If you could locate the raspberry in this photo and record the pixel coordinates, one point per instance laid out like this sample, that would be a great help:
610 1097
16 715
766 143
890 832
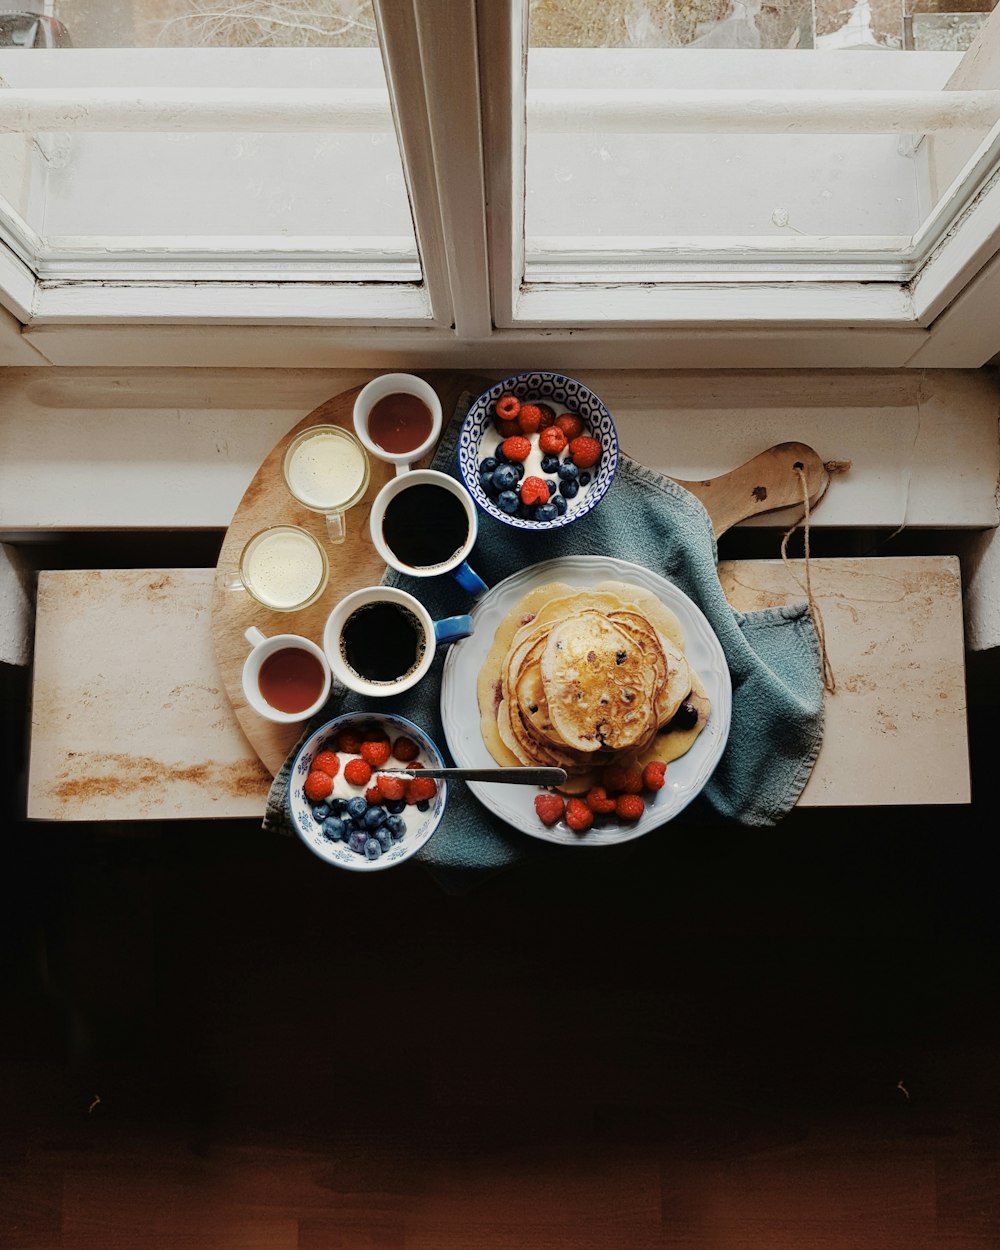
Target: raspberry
579 817
550 808
391 787
318 785
552 440
420 789
530 419
654 775
507 428
534 490
373 795
405 749
548 416
349 741
507 407
629 806
585 451
516 448
357 772
376 752
598 802
327 762
621 780
570 424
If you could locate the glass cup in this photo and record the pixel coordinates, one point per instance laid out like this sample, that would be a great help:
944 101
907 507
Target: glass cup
398 419
381 640
326 469
283 568
425 523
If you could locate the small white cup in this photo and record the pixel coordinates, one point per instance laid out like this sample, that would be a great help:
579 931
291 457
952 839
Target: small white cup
381 388
455 562
262 648
428 634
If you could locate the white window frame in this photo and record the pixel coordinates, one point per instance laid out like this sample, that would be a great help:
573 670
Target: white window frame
455 72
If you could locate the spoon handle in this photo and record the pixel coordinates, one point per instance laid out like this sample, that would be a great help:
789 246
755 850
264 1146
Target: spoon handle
512 776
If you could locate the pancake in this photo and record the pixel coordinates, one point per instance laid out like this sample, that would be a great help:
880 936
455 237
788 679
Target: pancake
578 679
599 684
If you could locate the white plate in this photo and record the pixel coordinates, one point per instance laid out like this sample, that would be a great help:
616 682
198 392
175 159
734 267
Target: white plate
516 804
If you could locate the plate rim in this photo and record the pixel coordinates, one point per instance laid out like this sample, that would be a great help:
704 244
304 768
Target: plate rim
606 568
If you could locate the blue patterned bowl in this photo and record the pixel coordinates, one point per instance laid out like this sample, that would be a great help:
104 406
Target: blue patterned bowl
419 825
479 435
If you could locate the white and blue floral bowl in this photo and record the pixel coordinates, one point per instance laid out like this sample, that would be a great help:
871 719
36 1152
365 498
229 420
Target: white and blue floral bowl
420 826
551 388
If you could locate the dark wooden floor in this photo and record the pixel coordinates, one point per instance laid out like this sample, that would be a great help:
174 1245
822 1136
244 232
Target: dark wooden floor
708 1040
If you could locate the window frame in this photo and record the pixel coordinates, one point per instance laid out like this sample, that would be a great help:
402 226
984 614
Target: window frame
459 68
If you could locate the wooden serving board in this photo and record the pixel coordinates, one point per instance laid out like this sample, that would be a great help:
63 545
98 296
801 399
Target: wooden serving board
763 484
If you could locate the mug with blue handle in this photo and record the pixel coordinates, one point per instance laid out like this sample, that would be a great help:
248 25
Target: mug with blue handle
381 641
424 523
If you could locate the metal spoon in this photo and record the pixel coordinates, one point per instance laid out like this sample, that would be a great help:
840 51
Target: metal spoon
512 776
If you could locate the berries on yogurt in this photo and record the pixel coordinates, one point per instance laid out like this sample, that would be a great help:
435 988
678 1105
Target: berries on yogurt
552 452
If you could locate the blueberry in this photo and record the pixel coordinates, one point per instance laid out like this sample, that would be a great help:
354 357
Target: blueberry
518 468
498 454
372 849
504 477
584 479
568 471
569 489
423 805
396 826
357 807
546 512
358 840
488 465
374 817
334 828
395 806
551 485
508 501
486 481
560 505
550 463
384 838
320 811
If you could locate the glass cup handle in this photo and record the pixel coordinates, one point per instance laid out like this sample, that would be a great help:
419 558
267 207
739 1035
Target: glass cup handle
452 628
469 580
229 579
336 531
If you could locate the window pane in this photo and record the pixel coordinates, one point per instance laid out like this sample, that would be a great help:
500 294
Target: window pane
647 202
301 203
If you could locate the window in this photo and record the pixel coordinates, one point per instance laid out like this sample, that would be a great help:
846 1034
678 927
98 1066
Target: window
456 186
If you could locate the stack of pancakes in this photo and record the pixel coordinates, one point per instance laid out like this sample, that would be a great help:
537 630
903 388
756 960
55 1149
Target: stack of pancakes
586 681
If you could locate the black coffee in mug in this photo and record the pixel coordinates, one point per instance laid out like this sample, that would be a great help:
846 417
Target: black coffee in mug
425 525
382 642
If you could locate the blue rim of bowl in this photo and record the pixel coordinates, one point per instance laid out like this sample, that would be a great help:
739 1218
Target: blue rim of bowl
468 462
405 725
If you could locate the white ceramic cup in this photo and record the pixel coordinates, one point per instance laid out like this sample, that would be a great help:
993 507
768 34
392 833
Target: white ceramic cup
381 388
455 563
429 634
261 648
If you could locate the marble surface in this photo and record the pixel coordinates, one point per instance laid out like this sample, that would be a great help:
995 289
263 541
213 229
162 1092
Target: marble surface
130 719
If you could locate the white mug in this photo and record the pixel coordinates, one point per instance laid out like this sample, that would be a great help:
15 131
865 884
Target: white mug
271 670
391 407
418 531
381 641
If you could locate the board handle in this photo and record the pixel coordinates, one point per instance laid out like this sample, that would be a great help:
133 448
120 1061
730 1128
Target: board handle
766 483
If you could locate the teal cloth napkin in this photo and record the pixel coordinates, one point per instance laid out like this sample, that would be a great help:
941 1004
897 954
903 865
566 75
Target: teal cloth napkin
773 656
